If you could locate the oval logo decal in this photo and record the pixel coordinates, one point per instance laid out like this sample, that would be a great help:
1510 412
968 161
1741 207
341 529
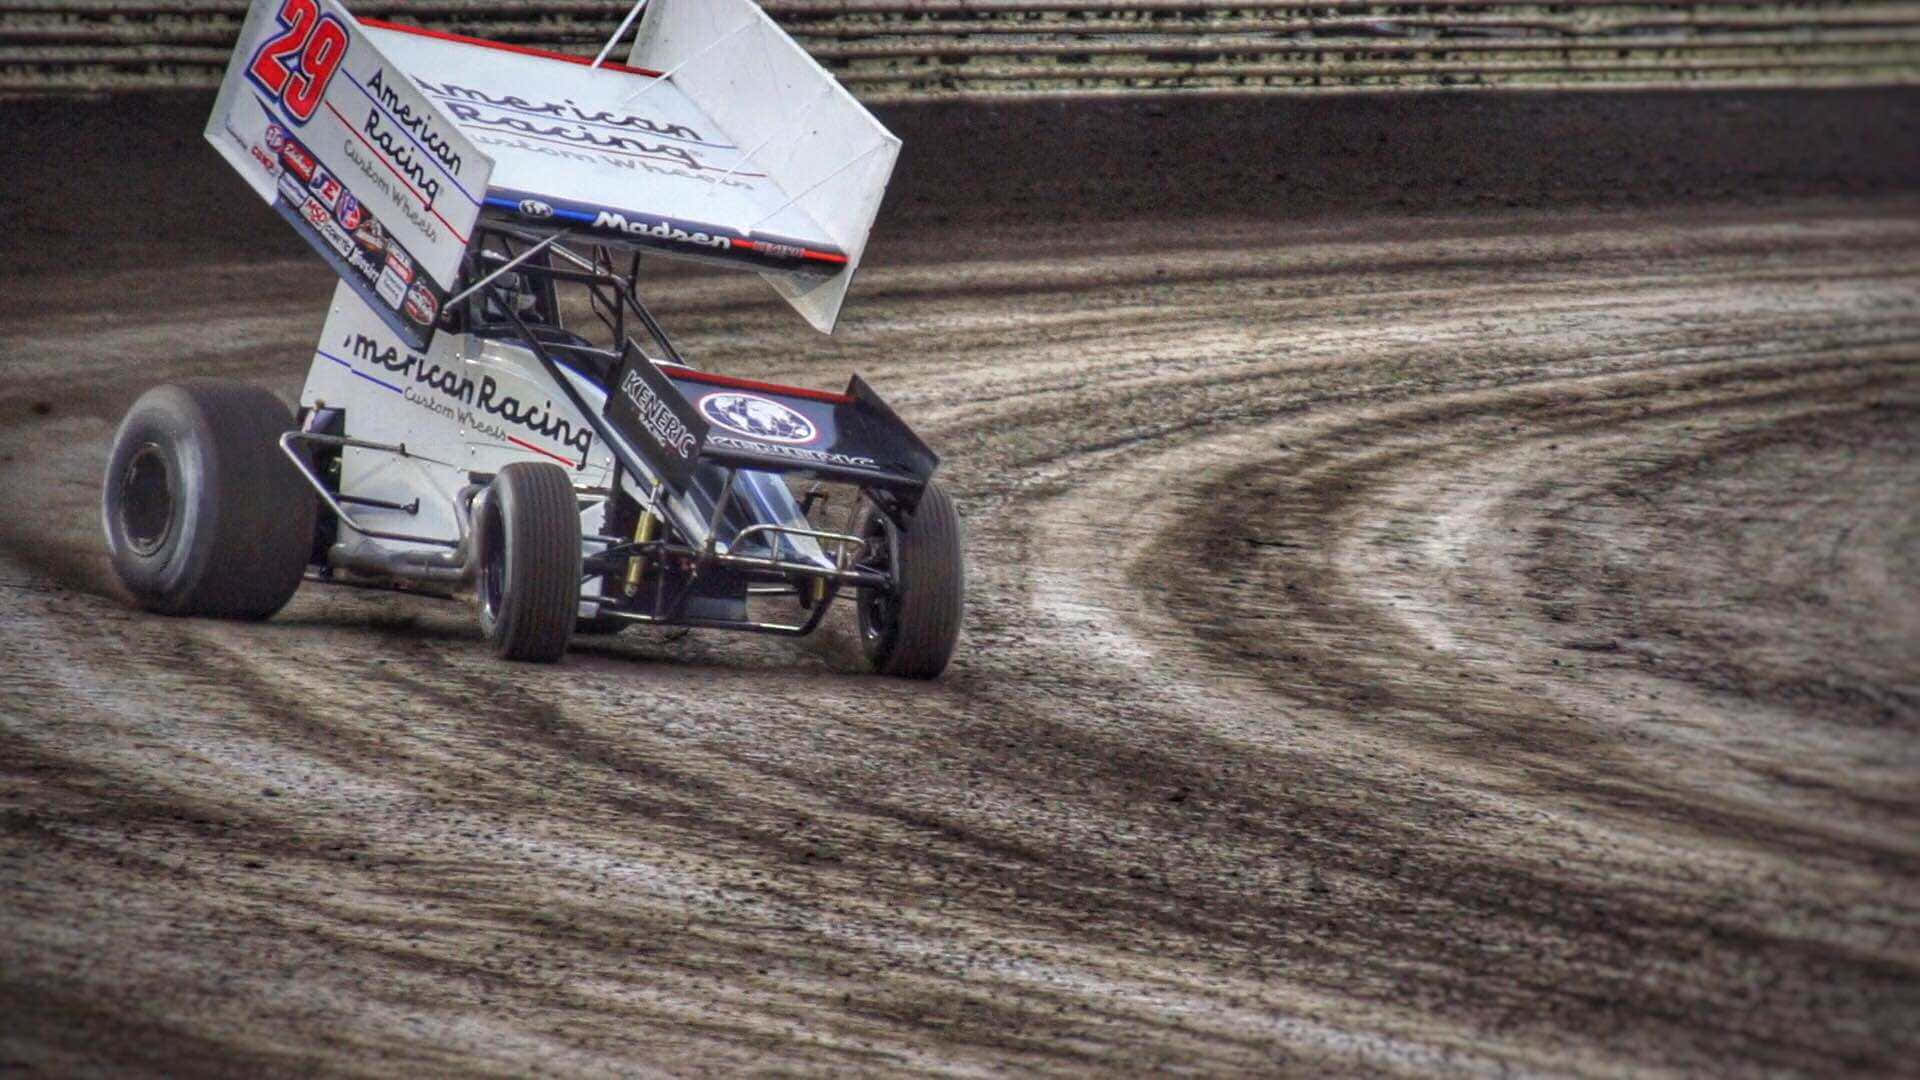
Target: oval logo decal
534 208
758 417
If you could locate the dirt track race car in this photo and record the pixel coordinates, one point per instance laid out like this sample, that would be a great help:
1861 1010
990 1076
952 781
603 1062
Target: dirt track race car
490 405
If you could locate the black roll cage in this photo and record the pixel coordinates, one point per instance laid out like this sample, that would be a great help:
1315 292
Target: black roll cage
612 298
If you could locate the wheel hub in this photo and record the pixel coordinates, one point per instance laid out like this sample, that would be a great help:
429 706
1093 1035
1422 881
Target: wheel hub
146 500
493 564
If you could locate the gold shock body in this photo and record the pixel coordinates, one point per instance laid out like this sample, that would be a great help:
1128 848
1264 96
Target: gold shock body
643 532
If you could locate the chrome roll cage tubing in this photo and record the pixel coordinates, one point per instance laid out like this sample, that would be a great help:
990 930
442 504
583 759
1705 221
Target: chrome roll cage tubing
670 610
447 567
463 500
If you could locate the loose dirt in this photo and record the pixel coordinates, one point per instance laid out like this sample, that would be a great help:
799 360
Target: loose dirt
1428 644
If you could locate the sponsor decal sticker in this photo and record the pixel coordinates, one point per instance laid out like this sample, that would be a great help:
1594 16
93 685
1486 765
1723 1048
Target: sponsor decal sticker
326 186
349 212
321 219
796 453
421 306
298 161
267 161
391 287
759 417
276 137
535 209
659 230
292 190
366 267
371 236
658 417
779 251
647 410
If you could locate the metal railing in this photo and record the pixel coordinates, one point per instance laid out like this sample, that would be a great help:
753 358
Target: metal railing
891 51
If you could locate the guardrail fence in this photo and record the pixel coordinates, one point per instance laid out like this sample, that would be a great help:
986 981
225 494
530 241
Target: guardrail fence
890 51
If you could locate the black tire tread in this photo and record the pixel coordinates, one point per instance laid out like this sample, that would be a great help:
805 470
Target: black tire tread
932 597
540 598
261 512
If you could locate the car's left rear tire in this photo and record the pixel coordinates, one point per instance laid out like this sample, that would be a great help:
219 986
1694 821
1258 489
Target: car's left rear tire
527 534
203 512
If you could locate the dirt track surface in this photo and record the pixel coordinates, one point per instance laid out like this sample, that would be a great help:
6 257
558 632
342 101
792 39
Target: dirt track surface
1441 645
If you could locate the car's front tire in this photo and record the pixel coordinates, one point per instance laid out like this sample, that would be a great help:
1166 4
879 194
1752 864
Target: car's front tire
911 630
527 533
204 515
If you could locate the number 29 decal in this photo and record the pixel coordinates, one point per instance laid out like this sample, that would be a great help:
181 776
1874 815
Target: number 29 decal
296 64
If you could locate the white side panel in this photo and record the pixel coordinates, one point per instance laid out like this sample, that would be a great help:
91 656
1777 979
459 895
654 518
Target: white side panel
352 370
463 406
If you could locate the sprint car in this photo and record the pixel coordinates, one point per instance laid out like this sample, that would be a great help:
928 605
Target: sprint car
491 408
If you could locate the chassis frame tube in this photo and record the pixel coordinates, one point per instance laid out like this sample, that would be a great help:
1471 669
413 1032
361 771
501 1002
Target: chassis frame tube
288 439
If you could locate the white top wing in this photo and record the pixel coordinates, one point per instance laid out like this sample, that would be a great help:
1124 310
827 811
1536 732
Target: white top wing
775 168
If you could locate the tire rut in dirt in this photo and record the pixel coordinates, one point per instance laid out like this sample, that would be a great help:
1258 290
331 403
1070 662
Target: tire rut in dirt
1143 819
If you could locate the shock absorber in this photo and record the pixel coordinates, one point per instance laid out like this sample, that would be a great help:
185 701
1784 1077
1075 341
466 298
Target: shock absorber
643 532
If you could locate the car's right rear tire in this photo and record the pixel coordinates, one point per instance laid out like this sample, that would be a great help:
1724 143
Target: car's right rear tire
527 534
204 515
911 630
